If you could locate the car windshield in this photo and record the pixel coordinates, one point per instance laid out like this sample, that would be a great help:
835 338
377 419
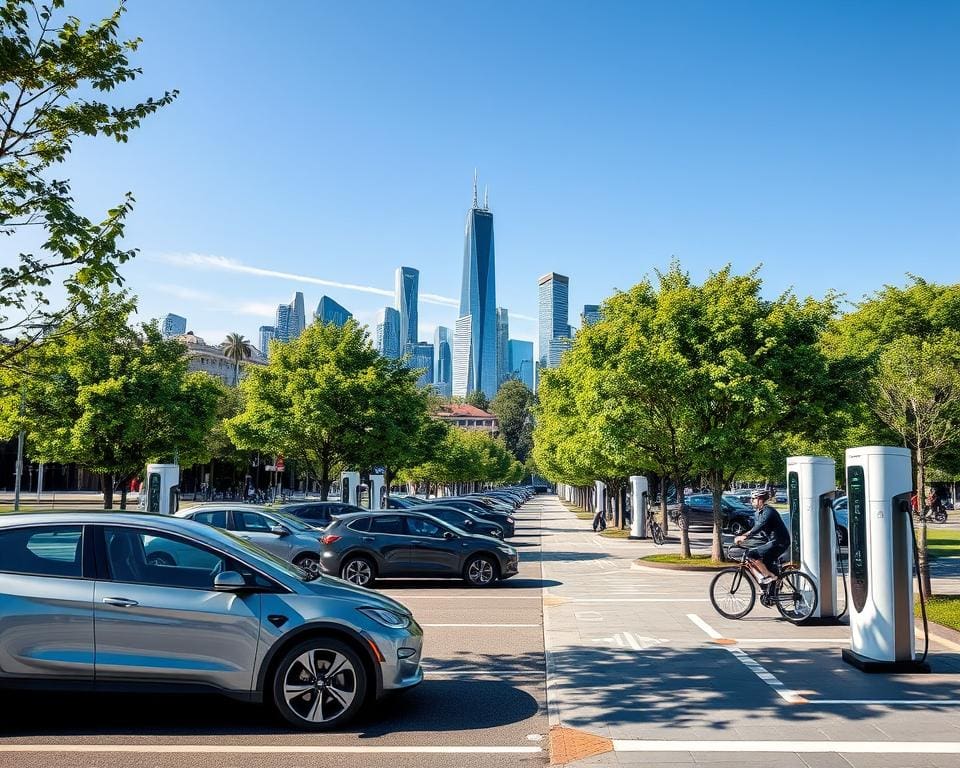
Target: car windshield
293 522
255 553
737 504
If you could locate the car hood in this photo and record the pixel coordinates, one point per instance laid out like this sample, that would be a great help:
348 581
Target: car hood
332 588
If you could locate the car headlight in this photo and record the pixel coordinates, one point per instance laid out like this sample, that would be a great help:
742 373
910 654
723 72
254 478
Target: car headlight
387 618
511 520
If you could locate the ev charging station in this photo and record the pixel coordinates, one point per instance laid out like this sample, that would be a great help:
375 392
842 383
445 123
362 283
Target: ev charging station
349 487
881 543
639 506
377 495
160 493
601 496
811 481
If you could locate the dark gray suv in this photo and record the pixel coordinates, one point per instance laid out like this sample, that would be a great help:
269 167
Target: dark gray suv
369 545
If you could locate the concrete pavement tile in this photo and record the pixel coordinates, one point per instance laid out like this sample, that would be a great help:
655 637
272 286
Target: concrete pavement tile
902 761
824 760
731 759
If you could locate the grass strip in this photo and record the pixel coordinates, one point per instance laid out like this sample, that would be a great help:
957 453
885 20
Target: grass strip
943 610
694 561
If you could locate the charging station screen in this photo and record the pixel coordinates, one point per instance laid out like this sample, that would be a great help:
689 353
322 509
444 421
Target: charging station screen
793 495
857 513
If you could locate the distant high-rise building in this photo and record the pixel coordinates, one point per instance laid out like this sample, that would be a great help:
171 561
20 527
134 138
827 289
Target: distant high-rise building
475 358
291 319
521 361
421 356
591 314
554 313
174 325
443 361
387 337
503 350
267 333
328 311
555 350
407 289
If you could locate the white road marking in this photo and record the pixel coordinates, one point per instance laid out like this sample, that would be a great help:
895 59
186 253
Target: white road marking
267 749
898 702
801 747
638 600
774 640
482 672
788 695
484 626
465 596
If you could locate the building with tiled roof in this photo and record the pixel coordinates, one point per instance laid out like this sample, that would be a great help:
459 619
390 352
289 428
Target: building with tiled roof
467 416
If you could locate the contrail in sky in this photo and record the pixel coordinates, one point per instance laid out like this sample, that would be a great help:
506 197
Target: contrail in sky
222 263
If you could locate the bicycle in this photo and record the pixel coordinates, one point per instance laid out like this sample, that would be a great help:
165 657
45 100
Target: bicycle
656 532
733 592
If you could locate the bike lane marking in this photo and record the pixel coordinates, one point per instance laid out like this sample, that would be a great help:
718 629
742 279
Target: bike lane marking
788 695
799 747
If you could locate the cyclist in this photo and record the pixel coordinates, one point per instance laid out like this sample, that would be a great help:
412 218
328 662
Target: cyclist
765 556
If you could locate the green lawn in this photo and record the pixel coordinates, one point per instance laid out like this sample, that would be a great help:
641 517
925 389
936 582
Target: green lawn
943 610
943 543
695 561
616 533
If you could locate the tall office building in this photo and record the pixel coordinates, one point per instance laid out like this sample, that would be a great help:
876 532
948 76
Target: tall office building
421 356
328 311
387 336
555 350
475 354
267 333
174 325
443 361
554 299
407 288
521 361
291 319
503 350
591 315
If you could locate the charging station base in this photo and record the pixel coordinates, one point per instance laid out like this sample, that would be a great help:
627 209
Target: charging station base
865 664
825 621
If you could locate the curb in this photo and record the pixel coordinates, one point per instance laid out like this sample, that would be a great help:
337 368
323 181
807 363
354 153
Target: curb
641 564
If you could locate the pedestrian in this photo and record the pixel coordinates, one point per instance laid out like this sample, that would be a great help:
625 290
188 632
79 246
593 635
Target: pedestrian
914 503
599 520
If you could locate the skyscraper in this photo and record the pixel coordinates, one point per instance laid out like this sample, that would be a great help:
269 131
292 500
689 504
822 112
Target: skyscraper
387 337
554 313
475 356
421 356
267 332
328 311
443 361
174 325
503 351
407 288
521 361
591 314
291 319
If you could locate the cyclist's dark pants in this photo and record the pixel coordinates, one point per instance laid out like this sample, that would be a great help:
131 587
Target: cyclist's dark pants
769 553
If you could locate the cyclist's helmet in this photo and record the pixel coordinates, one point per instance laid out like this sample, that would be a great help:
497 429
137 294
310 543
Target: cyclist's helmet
760 493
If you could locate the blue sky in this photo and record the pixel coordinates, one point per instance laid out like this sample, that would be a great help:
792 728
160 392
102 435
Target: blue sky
337 141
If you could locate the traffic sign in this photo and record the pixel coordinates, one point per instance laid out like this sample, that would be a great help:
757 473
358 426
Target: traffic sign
280 465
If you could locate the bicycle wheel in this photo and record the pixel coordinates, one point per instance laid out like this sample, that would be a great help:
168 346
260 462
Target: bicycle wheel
657 534
732 593
796 596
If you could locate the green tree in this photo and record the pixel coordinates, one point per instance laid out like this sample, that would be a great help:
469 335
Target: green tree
513 407
111 398
478 400
52 67
237 349
328 399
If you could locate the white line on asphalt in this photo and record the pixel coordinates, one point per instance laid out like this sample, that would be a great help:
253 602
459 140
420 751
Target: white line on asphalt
802 747
789 696
484 672
637 599
632 641
265 748
898 702
470 597
481 626
774 640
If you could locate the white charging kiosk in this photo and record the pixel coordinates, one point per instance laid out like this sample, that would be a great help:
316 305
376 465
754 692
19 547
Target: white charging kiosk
349 487
377 496
601 496
160 493
879 486
639 506
811 484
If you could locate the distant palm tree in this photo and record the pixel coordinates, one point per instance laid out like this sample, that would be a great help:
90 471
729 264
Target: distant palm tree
236 348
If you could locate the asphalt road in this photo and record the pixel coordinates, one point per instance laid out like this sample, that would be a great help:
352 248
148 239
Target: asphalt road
484 690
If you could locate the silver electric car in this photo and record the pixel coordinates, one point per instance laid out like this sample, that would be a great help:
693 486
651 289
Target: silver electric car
83 604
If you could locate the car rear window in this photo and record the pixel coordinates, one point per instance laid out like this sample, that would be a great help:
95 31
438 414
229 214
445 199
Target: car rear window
390 524
361 525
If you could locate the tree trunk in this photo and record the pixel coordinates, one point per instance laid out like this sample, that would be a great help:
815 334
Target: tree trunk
106 484
924 561
324 479
123 494
716 549
683 522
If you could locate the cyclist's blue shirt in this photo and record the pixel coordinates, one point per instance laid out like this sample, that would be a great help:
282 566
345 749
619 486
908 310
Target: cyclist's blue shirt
769 522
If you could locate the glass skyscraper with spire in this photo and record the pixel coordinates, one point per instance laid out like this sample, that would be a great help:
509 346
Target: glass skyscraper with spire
475 342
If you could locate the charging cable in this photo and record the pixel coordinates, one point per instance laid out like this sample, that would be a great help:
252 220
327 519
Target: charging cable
923 600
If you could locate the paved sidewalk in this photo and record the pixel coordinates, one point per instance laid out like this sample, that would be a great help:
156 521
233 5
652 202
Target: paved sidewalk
632 658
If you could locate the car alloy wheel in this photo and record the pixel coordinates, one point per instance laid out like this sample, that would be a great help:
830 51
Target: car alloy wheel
481 571
357 570
319 684
309 563
737 528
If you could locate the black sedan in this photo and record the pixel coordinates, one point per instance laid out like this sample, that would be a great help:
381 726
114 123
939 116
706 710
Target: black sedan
737 517
366 546
319 513
463 520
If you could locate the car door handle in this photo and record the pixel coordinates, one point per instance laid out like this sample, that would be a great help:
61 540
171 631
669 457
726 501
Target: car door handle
121 602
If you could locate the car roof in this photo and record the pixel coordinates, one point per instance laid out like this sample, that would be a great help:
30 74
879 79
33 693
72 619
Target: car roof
164 522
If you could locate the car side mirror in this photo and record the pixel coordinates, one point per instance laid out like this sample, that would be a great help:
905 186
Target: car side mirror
229 581
280 530
449 535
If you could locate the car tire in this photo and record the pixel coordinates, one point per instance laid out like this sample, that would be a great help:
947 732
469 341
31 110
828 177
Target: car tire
160 558
738 527
359 571
309 698
310 562
481 571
